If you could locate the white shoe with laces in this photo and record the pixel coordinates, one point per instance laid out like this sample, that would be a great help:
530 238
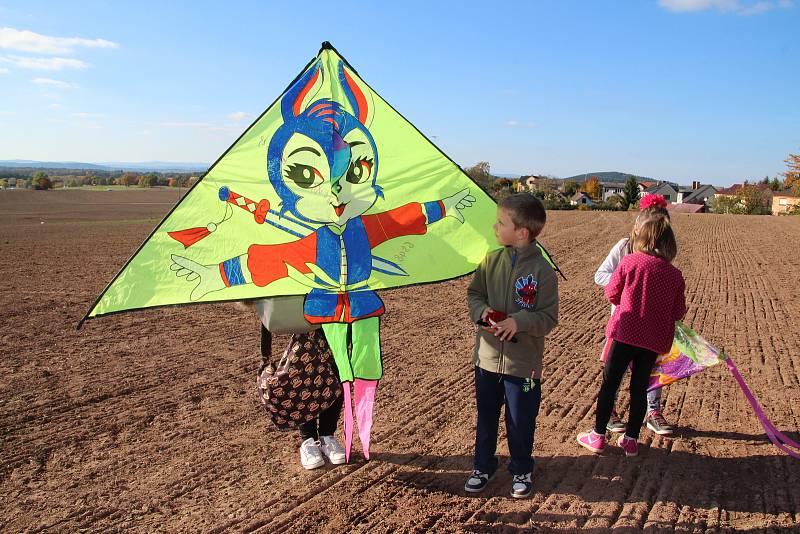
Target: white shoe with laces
521 486
332 450
310 455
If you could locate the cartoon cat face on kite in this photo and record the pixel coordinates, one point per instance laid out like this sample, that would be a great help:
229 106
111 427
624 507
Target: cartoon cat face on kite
322 161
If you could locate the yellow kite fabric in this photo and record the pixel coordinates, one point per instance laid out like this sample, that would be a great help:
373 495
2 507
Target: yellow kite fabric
330 193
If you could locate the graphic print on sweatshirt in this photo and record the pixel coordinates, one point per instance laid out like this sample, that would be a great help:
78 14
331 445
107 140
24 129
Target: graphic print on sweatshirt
525 291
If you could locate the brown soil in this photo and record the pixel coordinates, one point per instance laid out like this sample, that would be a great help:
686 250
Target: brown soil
147 421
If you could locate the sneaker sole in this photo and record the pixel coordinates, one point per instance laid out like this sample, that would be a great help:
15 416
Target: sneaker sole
589 447
314 466
521 495
616 430
659 432
629 454
338 461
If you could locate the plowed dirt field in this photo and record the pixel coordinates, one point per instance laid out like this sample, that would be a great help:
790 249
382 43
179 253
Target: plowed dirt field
147 421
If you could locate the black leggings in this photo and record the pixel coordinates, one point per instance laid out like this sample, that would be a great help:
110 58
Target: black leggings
641 361
325 424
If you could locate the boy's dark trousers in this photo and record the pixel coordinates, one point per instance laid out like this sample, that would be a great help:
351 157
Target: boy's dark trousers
521 397
641 361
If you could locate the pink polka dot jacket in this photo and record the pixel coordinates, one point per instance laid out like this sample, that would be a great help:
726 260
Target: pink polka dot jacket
648 293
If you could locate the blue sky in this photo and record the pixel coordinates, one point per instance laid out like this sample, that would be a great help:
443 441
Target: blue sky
673 89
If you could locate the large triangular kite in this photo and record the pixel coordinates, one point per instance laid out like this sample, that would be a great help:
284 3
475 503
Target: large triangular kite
328 153
331 194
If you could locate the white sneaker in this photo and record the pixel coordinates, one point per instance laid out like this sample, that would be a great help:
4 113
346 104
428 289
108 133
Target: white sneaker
310 455
332 450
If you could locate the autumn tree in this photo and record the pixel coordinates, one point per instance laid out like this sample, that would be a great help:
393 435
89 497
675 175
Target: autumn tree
592 187
41 180
127 179
792 174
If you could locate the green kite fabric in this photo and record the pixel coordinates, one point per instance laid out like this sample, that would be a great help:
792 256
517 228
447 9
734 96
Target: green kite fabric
331 194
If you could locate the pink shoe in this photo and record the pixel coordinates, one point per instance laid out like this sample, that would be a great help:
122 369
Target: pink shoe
629 445
592 440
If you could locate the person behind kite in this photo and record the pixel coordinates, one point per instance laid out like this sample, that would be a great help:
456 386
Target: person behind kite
514 293
648 292
650 205
323 163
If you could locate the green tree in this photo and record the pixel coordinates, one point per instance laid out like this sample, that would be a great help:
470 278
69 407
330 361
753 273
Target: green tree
630 193
754 200
725 204
481 174
775 184
3 183
570 187
502 183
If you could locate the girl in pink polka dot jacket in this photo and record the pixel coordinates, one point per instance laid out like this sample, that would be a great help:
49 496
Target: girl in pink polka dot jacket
648 292
651 206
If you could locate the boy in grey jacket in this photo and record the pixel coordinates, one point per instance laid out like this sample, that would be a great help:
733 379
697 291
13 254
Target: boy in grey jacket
514 295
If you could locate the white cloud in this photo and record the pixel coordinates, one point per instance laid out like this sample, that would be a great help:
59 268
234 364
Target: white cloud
44 63
58 84
52 96
758 7
85 115
239 116
4 71
7 113
28 41
514 123
56 106
725 6
698 5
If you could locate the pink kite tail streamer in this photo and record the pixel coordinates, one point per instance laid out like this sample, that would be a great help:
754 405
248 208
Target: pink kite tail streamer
777 438
365 401
348 421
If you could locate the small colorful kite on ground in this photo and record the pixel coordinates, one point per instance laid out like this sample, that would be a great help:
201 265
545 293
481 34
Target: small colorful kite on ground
331 194
691 354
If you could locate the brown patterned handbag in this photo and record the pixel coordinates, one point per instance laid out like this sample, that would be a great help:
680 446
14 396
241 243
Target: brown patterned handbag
302 384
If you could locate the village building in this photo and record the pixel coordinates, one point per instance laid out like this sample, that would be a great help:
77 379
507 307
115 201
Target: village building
783 201
581 198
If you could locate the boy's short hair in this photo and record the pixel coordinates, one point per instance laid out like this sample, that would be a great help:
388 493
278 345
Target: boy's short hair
526 211
656 238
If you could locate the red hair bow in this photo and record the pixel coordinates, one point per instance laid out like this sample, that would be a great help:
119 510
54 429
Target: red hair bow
652 200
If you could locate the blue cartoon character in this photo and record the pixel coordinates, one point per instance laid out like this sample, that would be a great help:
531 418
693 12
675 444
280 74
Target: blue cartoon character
323 163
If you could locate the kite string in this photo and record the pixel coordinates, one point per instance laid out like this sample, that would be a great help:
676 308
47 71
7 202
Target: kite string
780 440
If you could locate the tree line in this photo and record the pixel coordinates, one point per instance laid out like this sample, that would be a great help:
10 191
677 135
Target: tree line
25 178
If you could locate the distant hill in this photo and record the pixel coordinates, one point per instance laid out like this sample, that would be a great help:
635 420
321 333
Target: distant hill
144 166
608 176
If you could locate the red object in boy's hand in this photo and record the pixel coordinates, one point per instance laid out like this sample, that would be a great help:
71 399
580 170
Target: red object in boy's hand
495 316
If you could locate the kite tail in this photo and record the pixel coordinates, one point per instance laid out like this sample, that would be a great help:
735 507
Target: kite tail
348 421
780 440
365 401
